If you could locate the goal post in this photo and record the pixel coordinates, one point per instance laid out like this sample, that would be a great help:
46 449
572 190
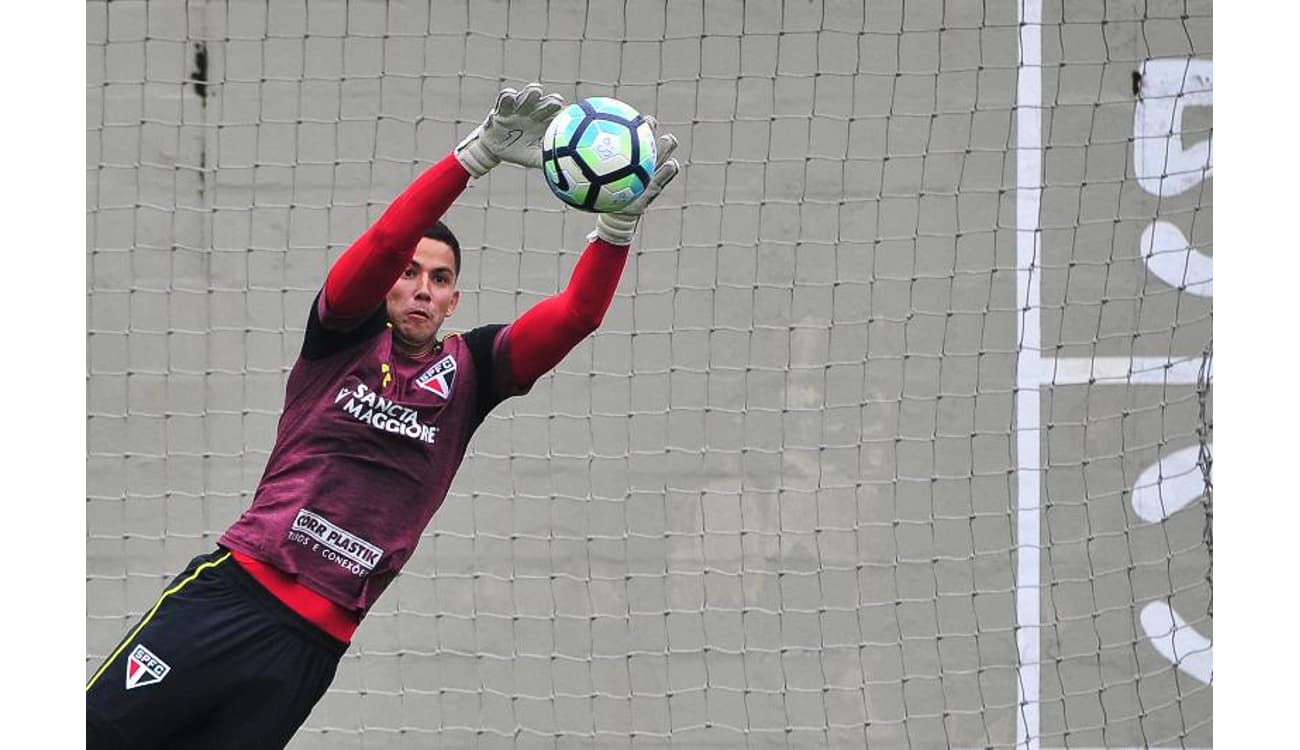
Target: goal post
897 433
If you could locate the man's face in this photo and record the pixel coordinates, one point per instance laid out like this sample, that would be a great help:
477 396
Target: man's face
423 297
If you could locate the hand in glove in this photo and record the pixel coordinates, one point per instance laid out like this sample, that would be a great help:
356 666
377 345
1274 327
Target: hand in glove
512 131
618 227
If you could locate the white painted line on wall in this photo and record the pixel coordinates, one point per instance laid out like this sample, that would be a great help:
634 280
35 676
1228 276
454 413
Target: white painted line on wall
1029 180
1127 370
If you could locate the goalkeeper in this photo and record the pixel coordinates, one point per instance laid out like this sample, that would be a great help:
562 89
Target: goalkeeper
378 413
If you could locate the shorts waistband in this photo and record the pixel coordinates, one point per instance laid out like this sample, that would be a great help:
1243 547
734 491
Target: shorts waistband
234 573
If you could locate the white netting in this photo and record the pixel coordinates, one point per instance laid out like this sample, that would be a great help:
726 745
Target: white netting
773 501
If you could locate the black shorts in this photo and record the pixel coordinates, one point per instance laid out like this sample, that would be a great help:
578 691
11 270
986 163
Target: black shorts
218 662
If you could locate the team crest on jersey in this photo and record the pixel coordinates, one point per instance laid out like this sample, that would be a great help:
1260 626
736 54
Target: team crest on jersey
143 668
440 377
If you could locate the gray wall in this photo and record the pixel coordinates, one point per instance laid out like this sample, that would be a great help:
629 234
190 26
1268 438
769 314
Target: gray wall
771 502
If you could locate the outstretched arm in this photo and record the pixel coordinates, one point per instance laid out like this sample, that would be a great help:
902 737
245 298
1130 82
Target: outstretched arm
362 276
512 133
549 330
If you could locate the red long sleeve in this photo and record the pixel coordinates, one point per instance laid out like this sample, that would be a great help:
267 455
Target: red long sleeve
549 330
362 276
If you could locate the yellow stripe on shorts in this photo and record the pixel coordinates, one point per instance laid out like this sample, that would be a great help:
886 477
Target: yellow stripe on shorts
127 641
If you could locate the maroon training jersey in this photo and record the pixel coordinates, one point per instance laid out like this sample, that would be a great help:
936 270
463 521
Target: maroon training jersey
366 448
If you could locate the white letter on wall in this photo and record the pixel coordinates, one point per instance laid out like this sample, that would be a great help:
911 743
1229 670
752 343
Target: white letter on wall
1167 87
1162 489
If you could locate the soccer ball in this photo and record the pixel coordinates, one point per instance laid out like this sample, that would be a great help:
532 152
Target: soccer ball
598 154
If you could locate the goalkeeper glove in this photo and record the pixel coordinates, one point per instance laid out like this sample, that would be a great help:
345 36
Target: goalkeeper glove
512 131
618 227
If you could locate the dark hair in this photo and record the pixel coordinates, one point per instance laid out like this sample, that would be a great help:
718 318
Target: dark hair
441 233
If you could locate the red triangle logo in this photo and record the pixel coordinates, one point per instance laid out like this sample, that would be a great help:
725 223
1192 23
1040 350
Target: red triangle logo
143 667
440 378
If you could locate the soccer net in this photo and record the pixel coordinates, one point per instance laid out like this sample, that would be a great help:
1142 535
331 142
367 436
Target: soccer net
897 432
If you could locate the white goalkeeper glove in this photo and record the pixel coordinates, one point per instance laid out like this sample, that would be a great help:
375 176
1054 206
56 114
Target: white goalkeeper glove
512 131
617 228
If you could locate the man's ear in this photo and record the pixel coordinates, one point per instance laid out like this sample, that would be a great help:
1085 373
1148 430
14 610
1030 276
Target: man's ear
455 300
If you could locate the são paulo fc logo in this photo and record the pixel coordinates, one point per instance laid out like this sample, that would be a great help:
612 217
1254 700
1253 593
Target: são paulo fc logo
143 668
439 378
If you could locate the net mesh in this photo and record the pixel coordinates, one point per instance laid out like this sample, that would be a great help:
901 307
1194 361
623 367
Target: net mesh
771 502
